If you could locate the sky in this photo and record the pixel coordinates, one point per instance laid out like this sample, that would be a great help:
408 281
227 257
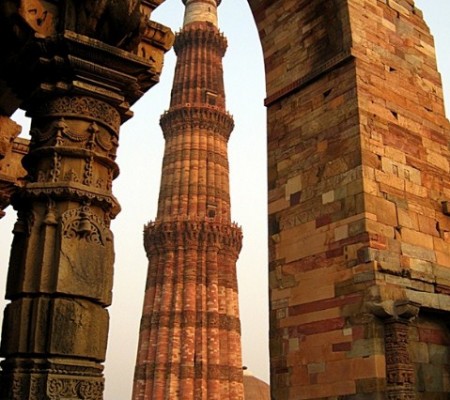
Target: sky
140 157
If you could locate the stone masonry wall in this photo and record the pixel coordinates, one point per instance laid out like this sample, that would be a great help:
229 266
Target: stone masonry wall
357 164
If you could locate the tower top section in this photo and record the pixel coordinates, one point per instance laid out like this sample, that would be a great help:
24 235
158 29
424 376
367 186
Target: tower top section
201 11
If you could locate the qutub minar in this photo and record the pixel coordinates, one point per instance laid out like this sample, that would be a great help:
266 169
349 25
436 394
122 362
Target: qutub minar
190 341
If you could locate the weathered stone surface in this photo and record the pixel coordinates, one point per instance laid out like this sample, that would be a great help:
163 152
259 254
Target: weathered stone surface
9 130
12 173
61 266
357 161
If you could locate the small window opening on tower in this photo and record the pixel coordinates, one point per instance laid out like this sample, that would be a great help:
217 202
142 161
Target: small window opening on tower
211 210
210 97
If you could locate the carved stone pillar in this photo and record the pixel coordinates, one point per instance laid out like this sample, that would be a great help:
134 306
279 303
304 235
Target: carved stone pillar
400 374
61 267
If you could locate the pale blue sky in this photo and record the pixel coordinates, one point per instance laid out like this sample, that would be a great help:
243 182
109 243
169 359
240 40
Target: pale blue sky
140 156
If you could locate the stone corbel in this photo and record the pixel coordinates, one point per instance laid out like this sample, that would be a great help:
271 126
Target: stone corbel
405 310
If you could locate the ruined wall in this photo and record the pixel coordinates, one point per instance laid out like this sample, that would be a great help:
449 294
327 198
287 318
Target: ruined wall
358 164
12 150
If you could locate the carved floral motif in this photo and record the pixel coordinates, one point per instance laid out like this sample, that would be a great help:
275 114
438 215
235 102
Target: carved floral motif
81 223
40 387
77 106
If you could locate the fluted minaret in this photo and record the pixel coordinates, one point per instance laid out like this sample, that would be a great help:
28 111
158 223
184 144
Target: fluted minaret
190 344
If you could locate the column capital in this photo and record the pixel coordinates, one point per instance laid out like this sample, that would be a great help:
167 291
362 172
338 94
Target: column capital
396 310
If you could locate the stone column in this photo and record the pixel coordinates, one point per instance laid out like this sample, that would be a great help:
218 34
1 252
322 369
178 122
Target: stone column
400 374
61 267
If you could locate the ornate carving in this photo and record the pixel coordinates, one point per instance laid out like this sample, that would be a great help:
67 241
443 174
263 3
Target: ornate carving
37 387
50 217
177 119
55 172
104 200
58 388
94 131
44 387
400 375
19 388
88 171
77 106
100 183
59 130
200 37
90 390
192 233
71 176
81 223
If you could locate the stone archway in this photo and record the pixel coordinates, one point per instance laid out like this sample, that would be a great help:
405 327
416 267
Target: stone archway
356 179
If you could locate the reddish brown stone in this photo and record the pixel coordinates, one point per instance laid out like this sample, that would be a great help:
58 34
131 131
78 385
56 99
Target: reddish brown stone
190 329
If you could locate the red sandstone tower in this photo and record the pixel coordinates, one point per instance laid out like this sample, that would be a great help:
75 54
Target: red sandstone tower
190 345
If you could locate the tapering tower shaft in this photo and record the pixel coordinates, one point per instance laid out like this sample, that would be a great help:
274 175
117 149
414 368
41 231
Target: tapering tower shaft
189 345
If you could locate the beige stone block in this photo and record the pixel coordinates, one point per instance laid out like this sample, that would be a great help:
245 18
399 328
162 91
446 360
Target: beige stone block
363 348
321 391
417 238
416 251
382 229
385 210
441 244
356 368
438 161
309 290
395 154
419 353
444 302
341 232
413 175
408 219
416 190
443 258
430 300
427 225
388 25
293 344
422 266
441 272
390 179
294 248
277 205
315 368
371 187
293 185
328 197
